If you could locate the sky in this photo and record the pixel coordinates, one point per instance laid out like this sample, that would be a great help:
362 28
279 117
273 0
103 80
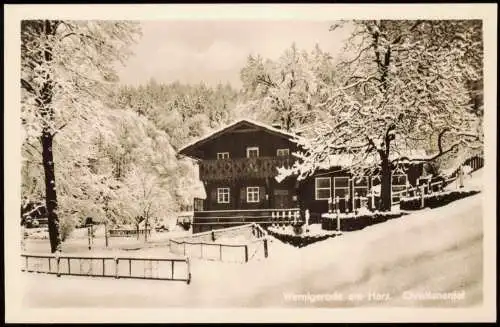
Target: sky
215 51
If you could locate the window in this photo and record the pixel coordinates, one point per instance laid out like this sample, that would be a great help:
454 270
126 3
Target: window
282 152
323 188
252 152
253 194
398 184
360 185
198 204
222 155
223 195
341 187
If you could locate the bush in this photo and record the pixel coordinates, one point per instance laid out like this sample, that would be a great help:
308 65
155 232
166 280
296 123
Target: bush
297 229
352 222
66 227
298 240
185 224
434 200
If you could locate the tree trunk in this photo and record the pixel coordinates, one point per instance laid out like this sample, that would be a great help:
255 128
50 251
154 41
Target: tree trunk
50 192
146 228
385 187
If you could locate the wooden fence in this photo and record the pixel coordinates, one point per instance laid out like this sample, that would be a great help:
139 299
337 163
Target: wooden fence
222 219
116 267
205 246
371 201
428 187
123 232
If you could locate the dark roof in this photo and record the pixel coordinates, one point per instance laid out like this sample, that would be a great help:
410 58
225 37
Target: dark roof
189 150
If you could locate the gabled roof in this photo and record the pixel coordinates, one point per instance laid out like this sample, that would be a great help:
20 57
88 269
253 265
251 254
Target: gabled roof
188 149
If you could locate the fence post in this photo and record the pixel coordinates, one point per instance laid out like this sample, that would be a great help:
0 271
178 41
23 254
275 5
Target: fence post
89 233
188 271
23 239
220 252
116 268
273 222
58 263
106 233
246 253
338 221
356 198
461 177
265 248
422 193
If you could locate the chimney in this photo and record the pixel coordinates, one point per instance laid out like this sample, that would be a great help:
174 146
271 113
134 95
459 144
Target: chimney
276 125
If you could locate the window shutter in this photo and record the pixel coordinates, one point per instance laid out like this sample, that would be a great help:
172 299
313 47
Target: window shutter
262 194
213 195
243 195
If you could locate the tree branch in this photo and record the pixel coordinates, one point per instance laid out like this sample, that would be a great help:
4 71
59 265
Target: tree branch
28 87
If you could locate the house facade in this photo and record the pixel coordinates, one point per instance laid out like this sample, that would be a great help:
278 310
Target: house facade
238 165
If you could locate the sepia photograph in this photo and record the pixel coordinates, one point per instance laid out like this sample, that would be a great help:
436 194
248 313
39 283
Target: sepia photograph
294 160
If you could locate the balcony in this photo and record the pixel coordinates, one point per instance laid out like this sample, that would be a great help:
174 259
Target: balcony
231 169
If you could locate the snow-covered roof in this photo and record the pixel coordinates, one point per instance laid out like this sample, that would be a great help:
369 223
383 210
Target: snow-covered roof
186 149
337 160
345 160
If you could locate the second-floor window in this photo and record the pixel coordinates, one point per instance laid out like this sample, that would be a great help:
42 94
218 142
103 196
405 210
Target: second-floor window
223 195
253 194
252 152
222 155
283 152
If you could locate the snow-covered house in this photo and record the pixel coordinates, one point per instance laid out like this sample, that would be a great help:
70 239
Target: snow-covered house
238 167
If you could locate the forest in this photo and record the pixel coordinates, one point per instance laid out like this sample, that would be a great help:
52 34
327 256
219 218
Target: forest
94 147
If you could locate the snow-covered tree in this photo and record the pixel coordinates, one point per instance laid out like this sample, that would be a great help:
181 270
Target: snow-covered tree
65 68
400 86
148 199
285 90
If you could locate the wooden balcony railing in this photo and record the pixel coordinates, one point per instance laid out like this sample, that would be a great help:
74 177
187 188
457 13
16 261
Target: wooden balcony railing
259 167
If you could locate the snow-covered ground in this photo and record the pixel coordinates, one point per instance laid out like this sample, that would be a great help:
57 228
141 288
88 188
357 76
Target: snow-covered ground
436 250
474 181
396 263
78 242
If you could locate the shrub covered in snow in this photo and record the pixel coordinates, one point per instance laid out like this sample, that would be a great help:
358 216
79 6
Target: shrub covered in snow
434 200
351 221
66 227
291 235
